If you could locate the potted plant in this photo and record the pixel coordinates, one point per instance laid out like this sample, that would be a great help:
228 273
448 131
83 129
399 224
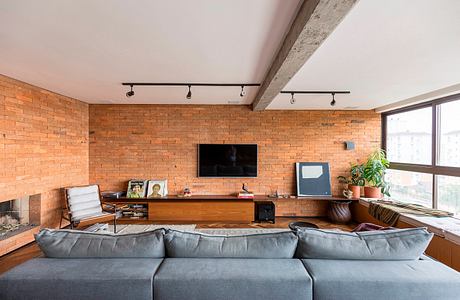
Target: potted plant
355 181
374 174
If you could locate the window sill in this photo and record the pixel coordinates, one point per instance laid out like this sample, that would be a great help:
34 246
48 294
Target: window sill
448 228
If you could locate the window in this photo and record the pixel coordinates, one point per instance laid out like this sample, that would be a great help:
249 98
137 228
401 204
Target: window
449 193
409 137
423 146
449 132
411 186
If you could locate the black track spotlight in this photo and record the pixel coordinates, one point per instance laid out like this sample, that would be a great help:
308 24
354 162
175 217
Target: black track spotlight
130 93
189 94
243 93
333 99
292 98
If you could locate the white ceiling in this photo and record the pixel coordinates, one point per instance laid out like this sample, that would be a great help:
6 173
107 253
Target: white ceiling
383 52
85 49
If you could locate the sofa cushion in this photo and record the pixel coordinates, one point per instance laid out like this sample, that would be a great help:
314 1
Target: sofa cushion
76 279
382 280
81 244
399 244
271 245
232 278
84 201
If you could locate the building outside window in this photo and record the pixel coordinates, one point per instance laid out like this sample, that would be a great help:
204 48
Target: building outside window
423 146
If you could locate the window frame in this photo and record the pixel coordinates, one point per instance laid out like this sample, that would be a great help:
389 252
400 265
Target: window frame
434 169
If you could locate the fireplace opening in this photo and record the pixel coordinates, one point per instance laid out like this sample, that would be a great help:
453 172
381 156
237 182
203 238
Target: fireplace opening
19 215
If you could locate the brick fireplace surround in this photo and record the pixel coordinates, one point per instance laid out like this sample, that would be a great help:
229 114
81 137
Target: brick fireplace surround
49 141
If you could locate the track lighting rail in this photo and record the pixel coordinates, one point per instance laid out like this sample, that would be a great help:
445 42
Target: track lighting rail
187 84
315 92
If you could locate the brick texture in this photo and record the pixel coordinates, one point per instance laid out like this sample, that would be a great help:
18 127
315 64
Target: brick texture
43 145
160 142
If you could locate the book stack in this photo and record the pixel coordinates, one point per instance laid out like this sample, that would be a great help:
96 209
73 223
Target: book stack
245 195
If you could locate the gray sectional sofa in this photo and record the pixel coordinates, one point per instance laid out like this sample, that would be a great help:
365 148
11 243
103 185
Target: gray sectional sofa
168 264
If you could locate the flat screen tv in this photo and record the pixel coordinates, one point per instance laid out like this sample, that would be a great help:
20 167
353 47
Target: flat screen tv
227 160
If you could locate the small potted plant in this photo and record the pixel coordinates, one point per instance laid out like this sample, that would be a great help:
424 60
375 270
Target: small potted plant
374 174
355 181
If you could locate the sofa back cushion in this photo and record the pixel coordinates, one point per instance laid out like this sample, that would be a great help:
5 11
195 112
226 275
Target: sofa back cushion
196 245
399 244
80 244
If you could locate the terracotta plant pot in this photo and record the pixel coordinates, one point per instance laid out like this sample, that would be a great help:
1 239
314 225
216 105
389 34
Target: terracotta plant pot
356 189
372 192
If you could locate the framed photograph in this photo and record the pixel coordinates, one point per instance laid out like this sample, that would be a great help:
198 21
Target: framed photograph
157 188
136 188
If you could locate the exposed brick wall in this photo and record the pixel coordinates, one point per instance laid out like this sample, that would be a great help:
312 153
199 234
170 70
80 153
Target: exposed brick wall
43 145
160 141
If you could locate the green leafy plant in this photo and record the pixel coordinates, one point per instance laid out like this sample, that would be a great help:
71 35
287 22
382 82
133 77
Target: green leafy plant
375 169
356 176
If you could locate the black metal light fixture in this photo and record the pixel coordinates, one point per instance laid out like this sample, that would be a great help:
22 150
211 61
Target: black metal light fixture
130 93
292 98
333 102
189 84
333 99
243 93
189 94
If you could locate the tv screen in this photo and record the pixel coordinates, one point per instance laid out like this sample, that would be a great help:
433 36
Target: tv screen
227 160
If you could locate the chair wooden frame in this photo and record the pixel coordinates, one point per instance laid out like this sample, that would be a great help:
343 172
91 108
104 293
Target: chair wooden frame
66 214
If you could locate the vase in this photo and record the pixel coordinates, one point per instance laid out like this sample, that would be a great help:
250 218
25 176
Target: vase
356 189
339 212
372 192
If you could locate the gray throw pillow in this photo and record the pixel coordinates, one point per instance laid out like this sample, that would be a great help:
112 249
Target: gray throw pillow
398 244
196 245
79 244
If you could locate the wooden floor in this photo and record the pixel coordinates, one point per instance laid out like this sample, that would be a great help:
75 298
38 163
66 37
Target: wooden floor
30 251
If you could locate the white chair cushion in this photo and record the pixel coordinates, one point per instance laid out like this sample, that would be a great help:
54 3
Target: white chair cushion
84 202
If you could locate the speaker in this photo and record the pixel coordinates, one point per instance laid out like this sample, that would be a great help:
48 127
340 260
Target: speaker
264 211
349 145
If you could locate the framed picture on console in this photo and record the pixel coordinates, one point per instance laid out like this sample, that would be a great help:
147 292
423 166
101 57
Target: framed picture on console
136 188
157 188
313 179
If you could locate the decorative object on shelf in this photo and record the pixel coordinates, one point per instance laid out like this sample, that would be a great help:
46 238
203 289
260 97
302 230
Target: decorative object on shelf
355 181
136 188
339 211
245 193
348 194
157 188
313 179
374 174
187 192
